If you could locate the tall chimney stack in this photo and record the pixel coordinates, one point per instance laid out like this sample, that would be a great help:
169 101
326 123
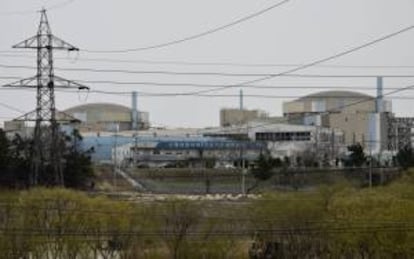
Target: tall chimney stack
379 103
241 99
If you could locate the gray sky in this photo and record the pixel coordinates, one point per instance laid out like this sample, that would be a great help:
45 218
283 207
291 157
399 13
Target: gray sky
298 32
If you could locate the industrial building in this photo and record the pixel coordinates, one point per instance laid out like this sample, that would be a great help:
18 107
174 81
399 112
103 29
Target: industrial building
231 117
163 149
189 152
288 140
108 117
363 119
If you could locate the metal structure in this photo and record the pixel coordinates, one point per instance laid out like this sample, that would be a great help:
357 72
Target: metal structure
47 148
400 133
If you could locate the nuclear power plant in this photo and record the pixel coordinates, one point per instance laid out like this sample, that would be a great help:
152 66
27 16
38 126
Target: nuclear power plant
324 123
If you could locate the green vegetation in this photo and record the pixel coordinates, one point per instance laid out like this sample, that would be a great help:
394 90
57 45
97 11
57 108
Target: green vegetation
336 221
405 157
357 156
264 169
16 161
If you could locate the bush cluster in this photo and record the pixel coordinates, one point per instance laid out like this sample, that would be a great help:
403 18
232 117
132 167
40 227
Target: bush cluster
331 222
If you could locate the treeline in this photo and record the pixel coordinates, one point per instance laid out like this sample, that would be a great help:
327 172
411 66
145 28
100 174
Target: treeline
16 162
333 222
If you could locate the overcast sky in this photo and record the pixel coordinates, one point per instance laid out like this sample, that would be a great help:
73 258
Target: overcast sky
298 32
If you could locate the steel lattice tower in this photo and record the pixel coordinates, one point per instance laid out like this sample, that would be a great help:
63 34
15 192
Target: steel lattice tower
47 146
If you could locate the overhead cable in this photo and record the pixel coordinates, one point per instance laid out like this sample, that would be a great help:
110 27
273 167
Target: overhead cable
314 63
11 107
34 11
195 36
223 74
195 85
13 54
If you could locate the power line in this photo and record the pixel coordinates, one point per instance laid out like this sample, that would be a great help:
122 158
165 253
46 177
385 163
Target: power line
254 96
260 96
26 12
190 63
33 11
195 36
220 95
229 64
345 76
224 74
229 74
11 108
10 77
358 87
310 64
183 94
209 86
338 55
195 85
60 5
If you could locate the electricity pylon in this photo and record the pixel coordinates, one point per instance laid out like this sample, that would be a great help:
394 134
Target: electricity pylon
47 150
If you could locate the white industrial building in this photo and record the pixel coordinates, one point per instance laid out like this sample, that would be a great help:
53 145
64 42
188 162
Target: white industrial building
192 151
287 140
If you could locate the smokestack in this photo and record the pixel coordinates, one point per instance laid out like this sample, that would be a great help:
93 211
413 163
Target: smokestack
134 114
379 102
241 99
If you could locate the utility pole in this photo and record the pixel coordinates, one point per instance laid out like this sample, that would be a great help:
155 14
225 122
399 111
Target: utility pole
244 144
243 170
135 124
380 110
333 151
317 146
135 153
47 146
370 166
115 155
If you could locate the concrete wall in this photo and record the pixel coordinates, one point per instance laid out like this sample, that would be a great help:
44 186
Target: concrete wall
354 126
368 129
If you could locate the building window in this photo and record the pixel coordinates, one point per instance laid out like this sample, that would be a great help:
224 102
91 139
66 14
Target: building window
283 136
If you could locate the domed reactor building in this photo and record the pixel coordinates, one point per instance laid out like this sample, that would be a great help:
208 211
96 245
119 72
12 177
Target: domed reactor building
96 117
363 118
